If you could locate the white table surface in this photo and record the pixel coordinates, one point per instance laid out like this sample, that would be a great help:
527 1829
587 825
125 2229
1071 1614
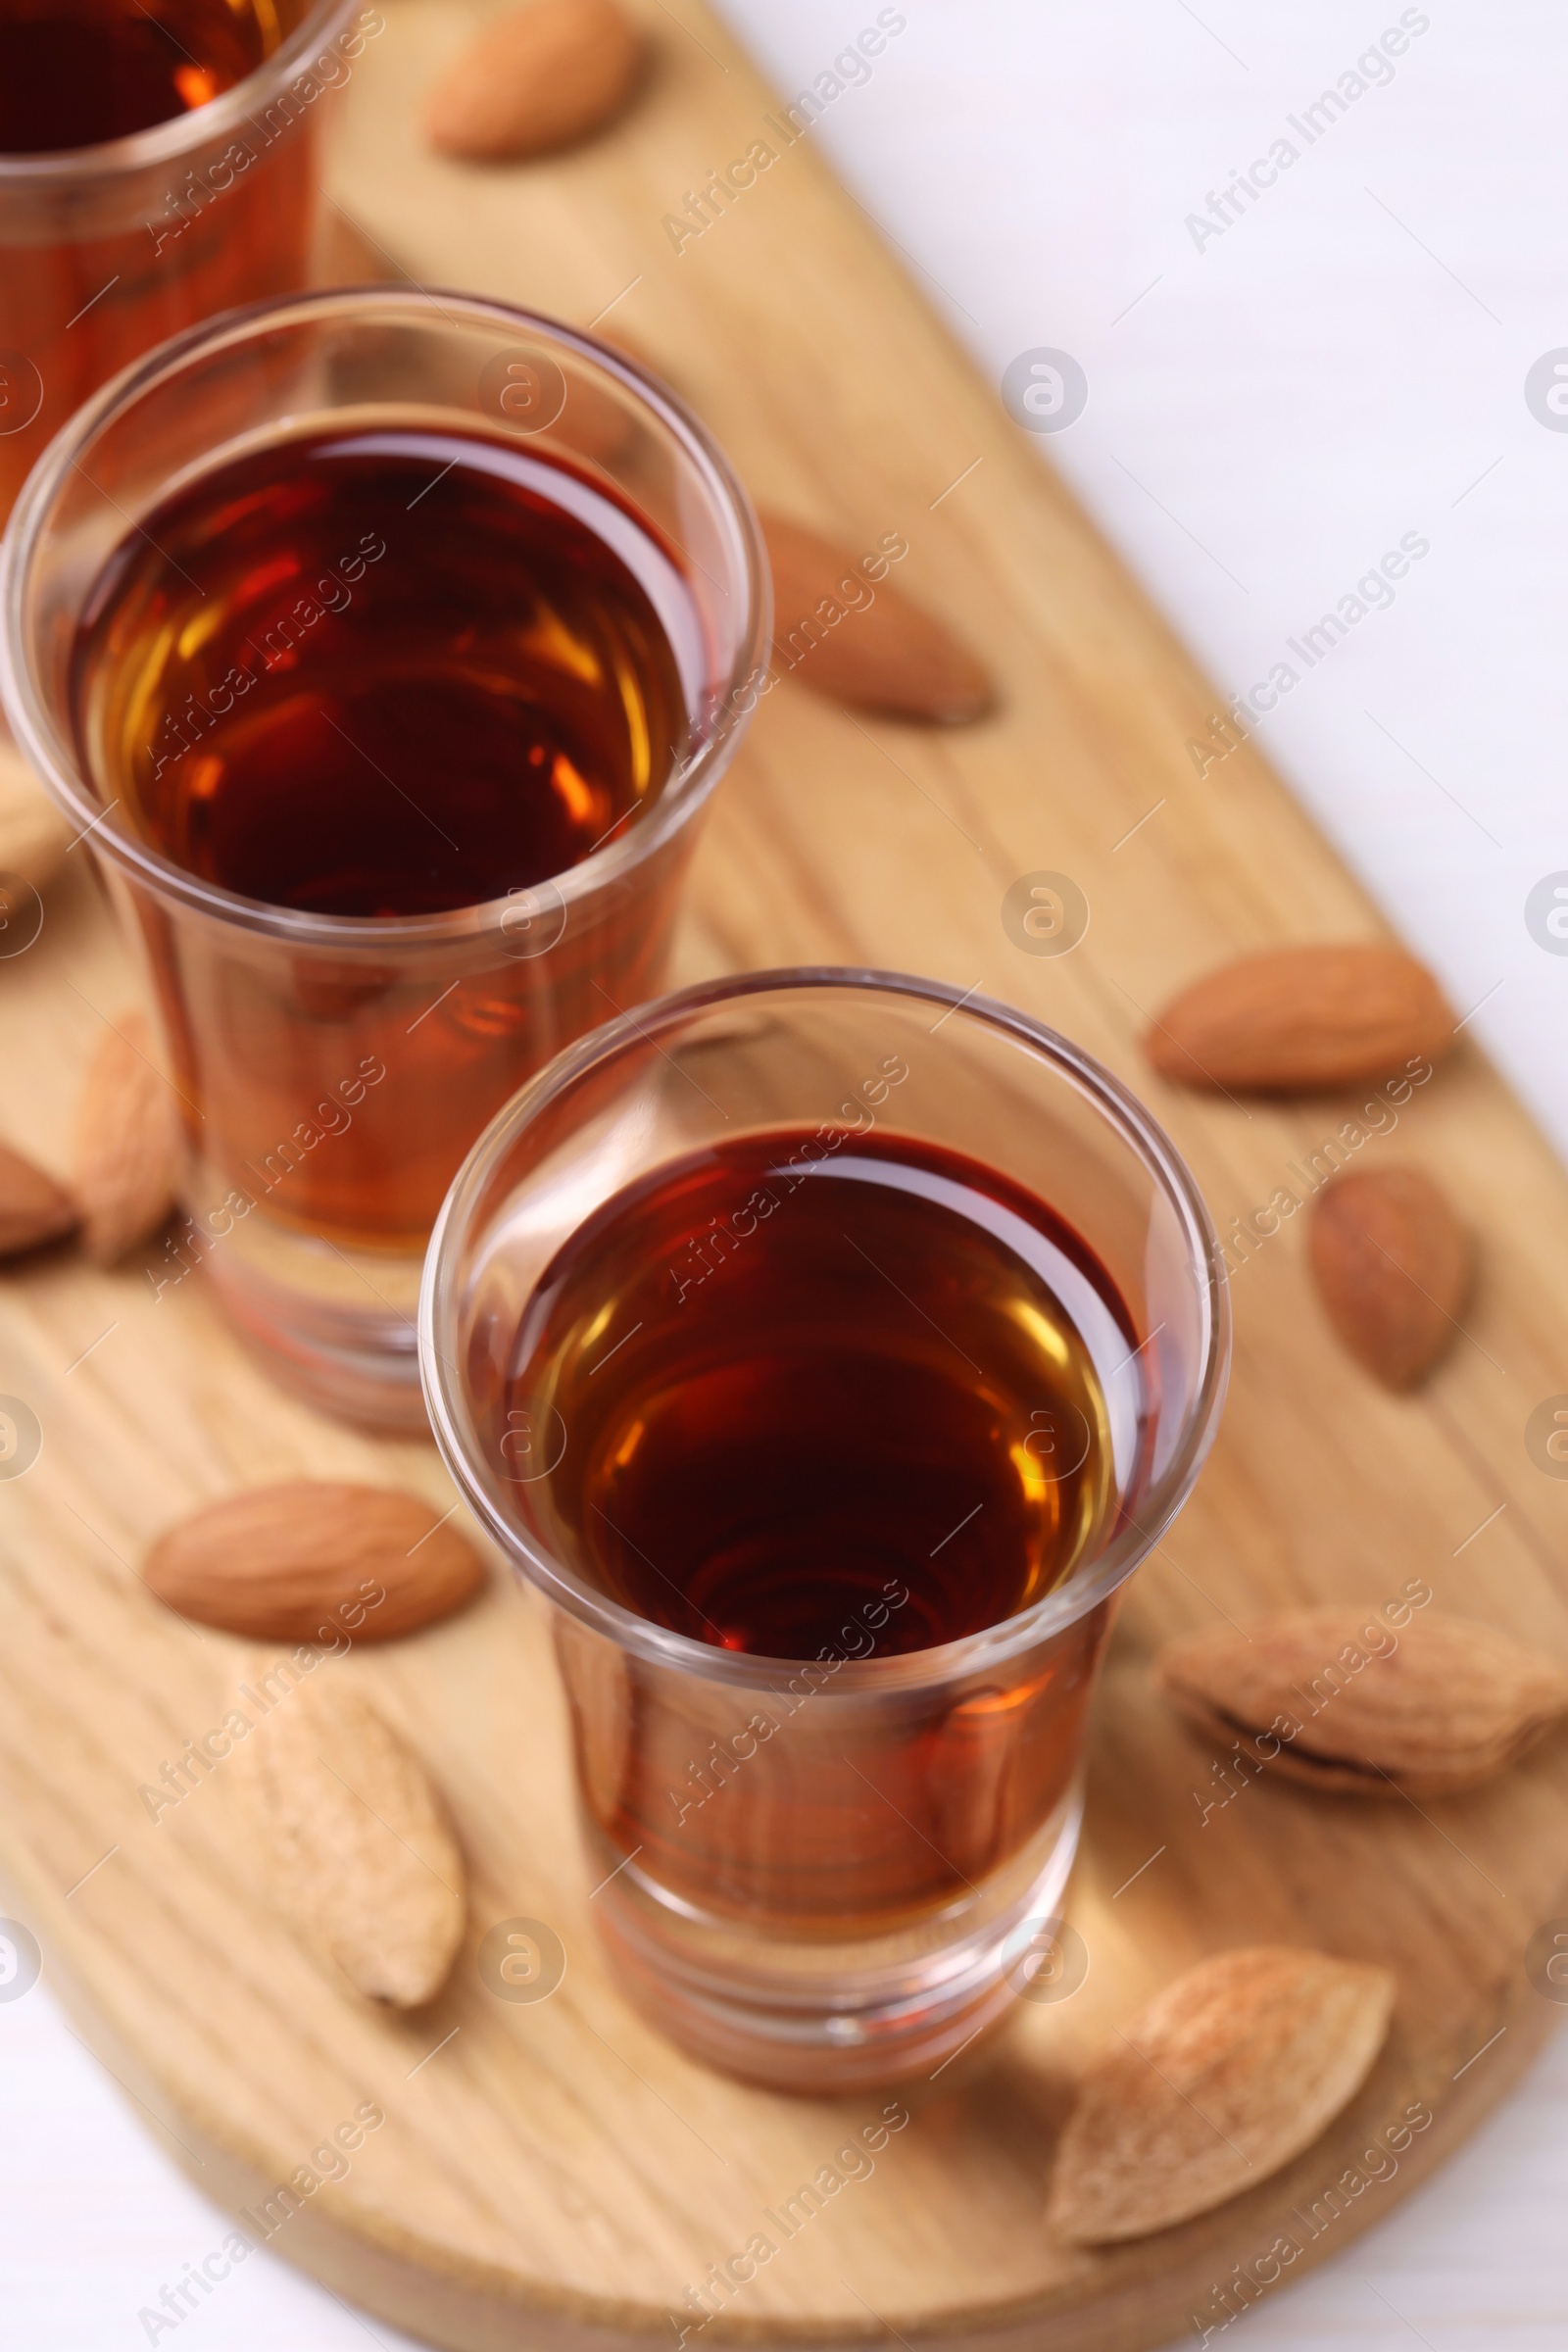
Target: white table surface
1268 413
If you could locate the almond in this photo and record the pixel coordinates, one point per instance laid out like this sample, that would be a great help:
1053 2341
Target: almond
537 78
33 1208
861 641
1220 2081
33 835
1336 1700
1293 1020
309 1559
1393 1266
128 1145
361 1851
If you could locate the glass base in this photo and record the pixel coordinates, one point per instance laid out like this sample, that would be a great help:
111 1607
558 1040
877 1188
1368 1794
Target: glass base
818 2017
332 1326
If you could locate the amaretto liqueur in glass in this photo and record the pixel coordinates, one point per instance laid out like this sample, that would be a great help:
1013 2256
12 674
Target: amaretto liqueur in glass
830 1349
407 651
159 162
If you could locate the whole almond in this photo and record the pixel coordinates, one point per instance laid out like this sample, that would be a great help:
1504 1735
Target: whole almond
535 79
1293 1020
310 1560
126 1162
33 1210
33 835
1336 1700
361 1851
1220 2081
860 639
1393 1266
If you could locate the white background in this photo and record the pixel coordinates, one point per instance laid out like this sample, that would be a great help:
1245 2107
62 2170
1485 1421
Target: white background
1266 416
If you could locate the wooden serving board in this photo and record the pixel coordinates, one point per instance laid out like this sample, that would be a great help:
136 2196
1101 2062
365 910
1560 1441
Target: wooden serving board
556 2174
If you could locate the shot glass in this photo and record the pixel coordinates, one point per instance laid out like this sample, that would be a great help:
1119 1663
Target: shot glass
106 250
333 1069
823 1872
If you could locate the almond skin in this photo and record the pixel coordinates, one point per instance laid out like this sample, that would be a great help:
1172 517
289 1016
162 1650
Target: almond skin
33 1210
1295 1021
126 1162
1220 2081
862 641
1437 1707
536 79
304 1562
359 1848
1393 1266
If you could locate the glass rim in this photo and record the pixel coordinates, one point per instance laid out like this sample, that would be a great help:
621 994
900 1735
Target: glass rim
55 762
457 1438
181 134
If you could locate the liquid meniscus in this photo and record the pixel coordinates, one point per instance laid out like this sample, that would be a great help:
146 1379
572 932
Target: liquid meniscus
384 673
788 1384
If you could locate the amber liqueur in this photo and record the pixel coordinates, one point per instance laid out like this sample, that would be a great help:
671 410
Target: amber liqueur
385 673
76 72
835 1404
92 274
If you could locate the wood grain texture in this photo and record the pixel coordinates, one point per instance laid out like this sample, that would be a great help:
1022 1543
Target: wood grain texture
554 2173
